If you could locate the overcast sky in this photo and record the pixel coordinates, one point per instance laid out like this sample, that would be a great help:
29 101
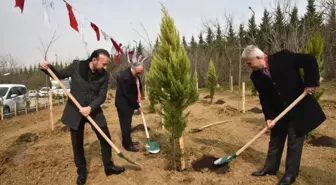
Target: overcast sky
20 33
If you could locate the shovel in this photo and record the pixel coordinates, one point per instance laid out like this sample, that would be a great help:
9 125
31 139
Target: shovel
209 125
120 154
228 158
151 146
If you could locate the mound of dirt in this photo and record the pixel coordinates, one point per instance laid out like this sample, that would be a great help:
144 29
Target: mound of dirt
207 97
228 110
256 110
205 163
220 102
139 127
27 138
325 141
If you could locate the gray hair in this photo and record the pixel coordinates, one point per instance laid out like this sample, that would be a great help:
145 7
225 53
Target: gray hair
136 64
252 51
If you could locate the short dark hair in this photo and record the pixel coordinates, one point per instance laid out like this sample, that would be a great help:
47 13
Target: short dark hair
97 52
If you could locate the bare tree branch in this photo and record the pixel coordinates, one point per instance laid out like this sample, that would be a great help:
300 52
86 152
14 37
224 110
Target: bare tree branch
45 48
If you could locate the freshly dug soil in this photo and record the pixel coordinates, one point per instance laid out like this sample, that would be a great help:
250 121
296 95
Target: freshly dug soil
256 110
220 102
139 127
205 163
207 97
323 141
228 110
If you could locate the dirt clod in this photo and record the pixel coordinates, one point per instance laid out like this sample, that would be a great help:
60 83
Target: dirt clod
139 127
207 97
228 110
256 110
325 141
220 102
27 138
205 163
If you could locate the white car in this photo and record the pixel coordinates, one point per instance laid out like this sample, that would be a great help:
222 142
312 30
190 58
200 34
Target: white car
32 93
59 91
11 94
44 91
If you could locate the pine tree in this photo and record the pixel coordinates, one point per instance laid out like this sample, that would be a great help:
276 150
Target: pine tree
315 46
279 28
185 45
211 79
242 35
312 18
294 17
209 37
265 32
171 71
252 31
193 43
200 40
219 36
231 38
140 48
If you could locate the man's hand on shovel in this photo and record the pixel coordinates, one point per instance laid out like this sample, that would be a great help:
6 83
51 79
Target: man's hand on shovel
270 123
85 111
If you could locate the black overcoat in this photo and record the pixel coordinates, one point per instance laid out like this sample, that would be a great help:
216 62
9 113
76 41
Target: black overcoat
91 94
285 86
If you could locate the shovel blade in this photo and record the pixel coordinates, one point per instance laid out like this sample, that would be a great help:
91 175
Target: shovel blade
152 146
225 159
129 160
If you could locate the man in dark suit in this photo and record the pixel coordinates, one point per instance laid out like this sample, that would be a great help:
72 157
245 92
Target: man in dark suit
126 101
89 84
278 82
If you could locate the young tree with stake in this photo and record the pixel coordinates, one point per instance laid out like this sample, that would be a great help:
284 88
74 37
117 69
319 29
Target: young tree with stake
171 71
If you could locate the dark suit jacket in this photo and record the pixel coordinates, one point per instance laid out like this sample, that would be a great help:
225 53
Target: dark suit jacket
127 92
285 86
91 94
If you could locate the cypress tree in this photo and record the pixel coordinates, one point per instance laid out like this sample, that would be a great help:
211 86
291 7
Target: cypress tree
171 71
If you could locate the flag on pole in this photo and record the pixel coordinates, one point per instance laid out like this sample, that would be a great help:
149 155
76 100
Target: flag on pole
72 18
20 4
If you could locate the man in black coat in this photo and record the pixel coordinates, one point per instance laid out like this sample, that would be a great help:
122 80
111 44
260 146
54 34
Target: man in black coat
126 101
89 84
278 82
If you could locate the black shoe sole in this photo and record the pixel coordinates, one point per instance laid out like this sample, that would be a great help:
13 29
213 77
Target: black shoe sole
114 173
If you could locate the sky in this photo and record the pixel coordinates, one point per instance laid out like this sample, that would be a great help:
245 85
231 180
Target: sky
21 34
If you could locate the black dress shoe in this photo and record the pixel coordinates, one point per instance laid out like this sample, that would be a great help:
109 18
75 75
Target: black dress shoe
114 170
263 172
135 143
286 180
81 179
132 148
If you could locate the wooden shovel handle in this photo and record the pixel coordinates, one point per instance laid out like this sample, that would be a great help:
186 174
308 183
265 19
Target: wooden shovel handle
144 122
73 99
212 124
275 121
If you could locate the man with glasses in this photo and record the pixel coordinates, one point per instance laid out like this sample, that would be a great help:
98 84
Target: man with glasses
126 101
89 84
277 79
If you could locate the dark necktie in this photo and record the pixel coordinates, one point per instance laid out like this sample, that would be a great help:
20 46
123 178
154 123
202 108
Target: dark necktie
266 72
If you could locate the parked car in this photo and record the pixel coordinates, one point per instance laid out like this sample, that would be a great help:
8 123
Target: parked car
32 93
44 91
11 94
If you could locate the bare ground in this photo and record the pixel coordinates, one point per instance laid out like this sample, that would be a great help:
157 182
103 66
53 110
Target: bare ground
30 153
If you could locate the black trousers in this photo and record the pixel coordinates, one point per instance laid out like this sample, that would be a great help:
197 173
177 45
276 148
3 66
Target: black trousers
77 139
294 150
125 114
